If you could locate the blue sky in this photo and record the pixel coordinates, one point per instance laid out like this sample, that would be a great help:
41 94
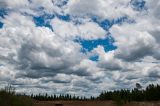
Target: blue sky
78 46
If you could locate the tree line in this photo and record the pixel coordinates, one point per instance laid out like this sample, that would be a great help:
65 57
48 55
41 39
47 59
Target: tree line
47 97
151 93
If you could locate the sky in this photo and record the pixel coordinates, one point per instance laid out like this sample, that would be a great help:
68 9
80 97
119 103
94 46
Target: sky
80 47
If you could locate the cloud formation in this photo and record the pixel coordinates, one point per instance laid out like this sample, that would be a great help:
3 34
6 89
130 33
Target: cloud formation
39 58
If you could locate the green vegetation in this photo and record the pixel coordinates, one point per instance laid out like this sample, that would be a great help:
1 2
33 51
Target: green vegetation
66 97
151 93
9 98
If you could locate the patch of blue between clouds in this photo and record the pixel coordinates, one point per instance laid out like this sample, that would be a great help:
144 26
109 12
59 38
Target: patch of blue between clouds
64 17
89 45
3 12
94 58
62 3
1 24
107 24
139 5
43 20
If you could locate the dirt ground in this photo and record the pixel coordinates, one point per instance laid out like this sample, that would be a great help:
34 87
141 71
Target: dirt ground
92 103
76 103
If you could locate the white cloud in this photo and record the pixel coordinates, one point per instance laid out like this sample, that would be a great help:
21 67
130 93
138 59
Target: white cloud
133 43
18 20
64 29
17 3
48 6
88 30
105 9
91 30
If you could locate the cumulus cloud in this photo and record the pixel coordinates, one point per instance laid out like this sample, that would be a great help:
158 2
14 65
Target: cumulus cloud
139 43
88 30
101 8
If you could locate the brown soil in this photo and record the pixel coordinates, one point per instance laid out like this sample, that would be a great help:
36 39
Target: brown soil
93 103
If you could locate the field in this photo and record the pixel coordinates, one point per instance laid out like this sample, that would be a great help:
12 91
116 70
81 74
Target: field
93 103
